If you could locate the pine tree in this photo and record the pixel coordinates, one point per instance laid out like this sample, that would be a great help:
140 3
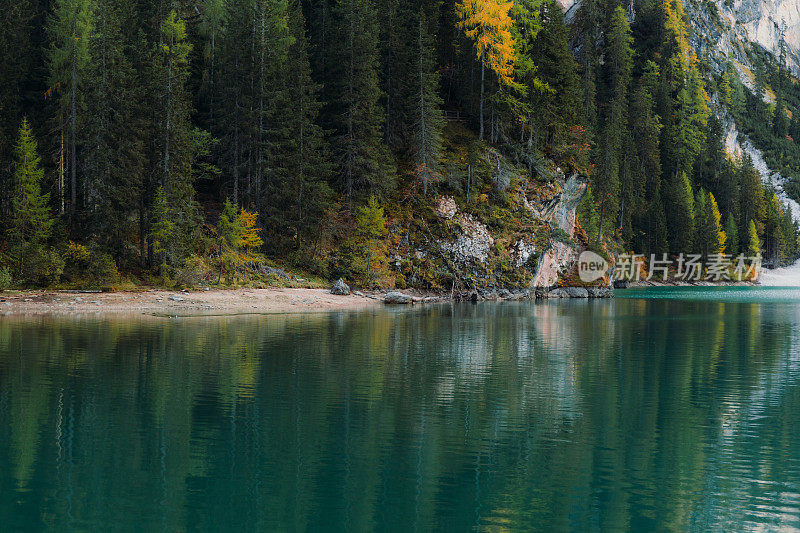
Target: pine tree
645 175
31 220
780 122
69 30
487 23
365 160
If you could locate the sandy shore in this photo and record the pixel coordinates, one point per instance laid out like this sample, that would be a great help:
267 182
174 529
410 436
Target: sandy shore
180 303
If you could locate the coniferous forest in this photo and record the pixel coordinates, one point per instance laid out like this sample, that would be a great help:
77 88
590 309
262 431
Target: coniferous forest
159 140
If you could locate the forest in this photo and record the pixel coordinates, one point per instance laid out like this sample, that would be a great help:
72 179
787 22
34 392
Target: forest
172 141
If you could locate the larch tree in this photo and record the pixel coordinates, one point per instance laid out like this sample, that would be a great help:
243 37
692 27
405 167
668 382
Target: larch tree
31 220
488 24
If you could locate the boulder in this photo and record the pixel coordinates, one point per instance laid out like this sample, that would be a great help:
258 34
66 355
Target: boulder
396 297
576 292
175 298
568 292
340 288
601 292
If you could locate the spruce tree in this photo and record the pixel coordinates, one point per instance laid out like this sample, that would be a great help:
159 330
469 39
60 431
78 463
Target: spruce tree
709 237
731 236
680 214
115 136
619 61
426 104
751 195
554 88
298 192
69 30
359 118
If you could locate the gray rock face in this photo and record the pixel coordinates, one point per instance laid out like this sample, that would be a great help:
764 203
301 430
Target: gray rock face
340 288
472 245
396 297
600 292
568 292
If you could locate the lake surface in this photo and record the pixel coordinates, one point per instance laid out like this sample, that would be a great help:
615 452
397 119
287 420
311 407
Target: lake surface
657 411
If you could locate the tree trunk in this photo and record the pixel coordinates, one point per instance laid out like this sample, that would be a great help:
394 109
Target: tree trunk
483 81
73 154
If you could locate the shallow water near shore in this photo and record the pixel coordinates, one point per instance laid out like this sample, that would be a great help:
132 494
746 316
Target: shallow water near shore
665 409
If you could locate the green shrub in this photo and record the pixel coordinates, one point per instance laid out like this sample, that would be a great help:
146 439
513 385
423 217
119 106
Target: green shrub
5 278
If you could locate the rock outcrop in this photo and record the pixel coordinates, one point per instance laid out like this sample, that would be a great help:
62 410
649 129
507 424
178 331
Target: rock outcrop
340 288
559 255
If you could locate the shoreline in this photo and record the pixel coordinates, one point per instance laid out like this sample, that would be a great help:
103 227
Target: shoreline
190 302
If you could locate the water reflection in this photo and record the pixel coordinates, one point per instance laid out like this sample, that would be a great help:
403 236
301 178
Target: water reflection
634 414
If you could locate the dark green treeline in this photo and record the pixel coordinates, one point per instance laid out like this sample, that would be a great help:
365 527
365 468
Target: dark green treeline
143 117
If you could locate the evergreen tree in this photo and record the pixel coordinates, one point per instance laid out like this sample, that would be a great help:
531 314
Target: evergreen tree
365 160
752 195
554 87
177 142
681 212
752 244
780 122
731 236
709 237
619 61
426 103
644 181
69 30
31 220
115 133
300 159
16 29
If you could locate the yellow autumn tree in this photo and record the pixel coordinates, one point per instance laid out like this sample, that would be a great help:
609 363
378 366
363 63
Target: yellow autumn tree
488 24
239 237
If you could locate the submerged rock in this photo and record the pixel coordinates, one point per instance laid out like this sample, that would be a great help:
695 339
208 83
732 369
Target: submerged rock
340 288
396 297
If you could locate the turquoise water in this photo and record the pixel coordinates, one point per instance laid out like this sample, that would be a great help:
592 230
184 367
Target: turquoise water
669 412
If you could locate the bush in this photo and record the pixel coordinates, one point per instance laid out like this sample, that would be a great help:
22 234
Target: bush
192 272
5 278
42 267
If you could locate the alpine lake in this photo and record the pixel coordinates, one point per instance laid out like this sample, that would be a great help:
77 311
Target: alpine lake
660 410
